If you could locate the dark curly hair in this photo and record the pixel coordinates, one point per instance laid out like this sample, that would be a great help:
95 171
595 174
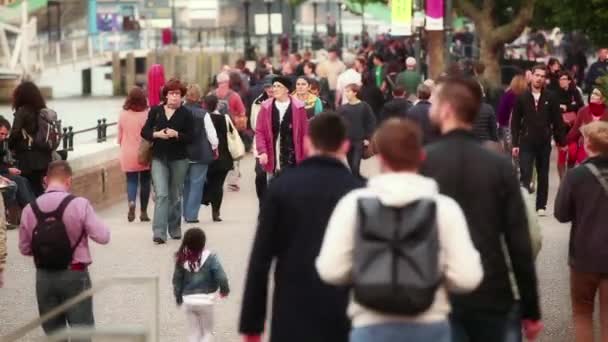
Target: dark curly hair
27 94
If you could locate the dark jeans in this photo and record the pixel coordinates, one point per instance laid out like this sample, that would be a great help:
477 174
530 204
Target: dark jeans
402 331
53 288
24 193
539 154
36 179
261 181
480 326
355 154
214 189
139 180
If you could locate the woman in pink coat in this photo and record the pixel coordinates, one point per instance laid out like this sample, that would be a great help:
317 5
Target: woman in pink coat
280 129
130 123
156 81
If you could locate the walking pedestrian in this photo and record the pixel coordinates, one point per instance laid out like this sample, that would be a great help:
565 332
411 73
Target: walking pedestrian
409 79
330 69
197 278
596 110
260 174
312 104
486 187
536 115
450 263
130 122
597 69
200 154
213 191
230 102
570 101
291 226
350 76
170 126
156 81
554 68
361 123
281 127
484 126
419 113
55 229
507 102
371 94
32 160
397 107
583 200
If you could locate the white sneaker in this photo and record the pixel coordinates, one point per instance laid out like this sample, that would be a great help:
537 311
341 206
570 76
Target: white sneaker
541 212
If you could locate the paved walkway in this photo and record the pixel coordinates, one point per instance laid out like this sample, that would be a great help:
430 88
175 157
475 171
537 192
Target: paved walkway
132 253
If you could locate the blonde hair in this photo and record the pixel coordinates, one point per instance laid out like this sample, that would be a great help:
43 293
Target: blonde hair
596 136
518 84
193 92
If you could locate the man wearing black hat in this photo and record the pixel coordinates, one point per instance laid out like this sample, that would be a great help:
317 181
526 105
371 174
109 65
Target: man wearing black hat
280 129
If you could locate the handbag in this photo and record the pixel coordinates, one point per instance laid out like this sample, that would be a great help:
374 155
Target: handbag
144 150
569 117
235 143
369 150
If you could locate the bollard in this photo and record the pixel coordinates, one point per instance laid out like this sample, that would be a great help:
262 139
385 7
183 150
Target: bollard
99 130
70 139
59 125
104 129
64 139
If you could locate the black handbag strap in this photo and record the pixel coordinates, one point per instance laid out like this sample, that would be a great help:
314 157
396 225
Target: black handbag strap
598 175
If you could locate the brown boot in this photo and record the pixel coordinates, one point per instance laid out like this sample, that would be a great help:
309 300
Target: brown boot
143 216
131 214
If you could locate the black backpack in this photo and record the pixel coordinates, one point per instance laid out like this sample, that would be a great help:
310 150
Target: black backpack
396 257
51 245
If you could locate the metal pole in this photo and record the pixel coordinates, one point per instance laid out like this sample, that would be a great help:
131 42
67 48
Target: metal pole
247 54
447 27
340 33
269 46
314 11
362 19
173 23
294 38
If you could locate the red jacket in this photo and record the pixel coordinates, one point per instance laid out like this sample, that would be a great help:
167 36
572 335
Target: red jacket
584 117
264 137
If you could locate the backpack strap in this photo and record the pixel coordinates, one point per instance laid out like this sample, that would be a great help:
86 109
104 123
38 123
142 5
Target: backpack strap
598 175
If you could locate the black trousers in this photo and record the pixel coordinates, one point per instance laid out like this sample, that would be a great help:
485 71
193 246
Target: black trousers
36 179
214 188
536 154
354 156
261 181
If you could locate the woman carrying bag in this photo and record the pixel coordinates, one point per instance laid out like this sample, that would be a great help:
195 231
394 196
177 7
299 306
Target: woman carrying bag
230 148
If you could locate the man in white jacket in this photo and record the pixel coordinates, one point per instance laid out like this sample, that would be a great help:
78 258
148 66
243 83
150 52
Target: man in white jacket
400 151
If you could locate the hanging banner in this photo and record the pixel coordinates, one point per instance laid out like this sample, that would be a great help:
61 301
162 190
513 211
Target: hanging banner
401 17
434 15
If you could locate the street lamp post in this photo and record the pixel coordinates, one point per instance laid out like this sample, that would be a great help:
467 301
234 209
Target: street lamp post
173 23
248 53
340 33
362 19
269 46
447 27
315 35
419 18
294 38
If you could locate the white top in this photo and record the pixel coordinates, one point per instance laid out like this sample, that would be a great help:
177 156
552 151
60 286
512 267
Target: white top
282 108
211 133
458 258
350 76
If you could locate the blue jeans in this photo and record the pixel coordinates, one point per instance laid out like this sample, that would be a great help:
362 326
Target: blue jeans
403 332
168 180
139 179
193 190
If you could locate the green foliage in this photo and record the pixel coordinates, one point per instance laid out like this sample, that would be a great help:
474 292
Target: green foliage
602 85
586 16
504 10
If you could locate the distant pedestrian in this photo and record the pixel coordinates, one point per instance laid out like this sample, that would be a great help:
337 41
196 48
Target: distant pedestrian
419 113
486 187
281 127
596 110
156 81
570 101
397 107
32 159
170 126
230 102
291 226
361 123
55 230
583 200
410 78
371 94
201 153
536 117
130 122
213 191
197 278
597 69
484 126
330 69
506 104
385 268
352 75
312 103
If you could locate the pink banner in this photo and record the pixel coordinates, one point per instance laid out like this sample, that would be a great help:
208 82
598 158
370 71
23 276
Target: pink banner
434 15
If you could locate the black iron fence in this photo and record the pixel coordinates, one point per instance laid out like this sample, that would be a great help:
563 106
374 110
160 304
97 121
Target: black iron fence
68 133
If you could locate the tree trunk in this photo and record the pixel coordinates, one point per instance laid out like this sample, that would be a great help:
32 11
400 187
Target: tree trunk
435 47
490 57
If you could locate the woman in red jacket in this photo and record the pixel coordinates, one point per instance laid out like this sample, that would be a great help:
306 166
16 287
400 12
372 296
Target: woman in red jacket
596 110
281 127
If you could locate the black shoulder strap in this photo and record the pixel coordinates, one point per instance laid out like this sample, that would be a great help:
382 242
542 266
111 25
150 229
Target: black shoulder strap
58 213
598 175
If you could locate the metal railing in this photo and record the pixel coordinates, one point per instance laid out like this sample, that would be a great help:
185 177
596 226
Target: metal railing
67 138
82 332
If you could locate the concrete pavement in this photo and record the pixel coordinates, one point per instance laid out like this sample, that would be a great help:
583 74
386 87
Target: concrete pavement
132 253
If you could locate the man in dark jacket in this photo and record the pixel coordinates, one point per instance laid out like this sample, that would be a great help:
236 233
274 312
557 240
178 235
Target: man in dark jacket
485 127
597 69
419 113
535 116
397 107
291 228
484 184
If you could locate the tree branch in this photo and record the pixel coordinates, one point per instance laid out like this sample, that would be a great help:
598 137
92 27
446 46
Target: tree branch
508 32
469 10
488 7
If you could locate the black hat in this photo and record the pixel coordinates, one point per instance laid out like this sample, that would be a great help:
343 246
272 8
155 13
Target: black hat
285 81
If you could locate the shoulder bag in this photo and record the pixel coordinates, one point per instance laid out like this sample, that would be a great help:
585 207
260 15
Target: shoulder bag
235 143
144 151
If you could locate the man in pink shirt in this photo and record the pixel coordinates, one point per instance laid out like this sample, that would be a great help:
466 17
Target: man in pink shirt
54 284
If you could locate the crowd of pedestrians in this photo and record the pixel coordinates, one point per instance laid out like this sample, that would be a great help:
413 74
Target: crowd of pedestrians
440 246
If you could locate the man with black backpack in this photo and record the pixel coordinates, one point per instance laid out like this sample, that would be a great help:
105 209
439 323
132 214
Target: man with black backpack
401 245
55 229
484 183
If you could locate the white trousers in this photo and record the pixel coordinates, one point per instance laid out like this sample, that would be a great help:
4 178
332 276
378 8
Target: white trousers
200 322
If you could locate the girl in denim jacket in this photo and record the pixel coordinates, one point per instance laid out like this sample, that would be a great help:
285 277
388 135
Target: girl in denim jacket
198 276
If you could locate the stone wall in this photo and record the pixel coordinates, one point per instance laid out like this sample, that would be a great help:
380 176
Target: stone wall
103 185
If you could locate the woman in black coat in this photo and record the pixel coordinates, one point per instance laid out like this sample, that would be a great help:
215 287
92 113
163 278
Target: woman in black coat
32 160
213 192
570 101
371 94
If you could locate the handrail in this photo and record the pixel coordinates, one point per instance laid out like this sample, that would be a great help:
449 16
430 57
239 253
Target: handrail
102 285
67 137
